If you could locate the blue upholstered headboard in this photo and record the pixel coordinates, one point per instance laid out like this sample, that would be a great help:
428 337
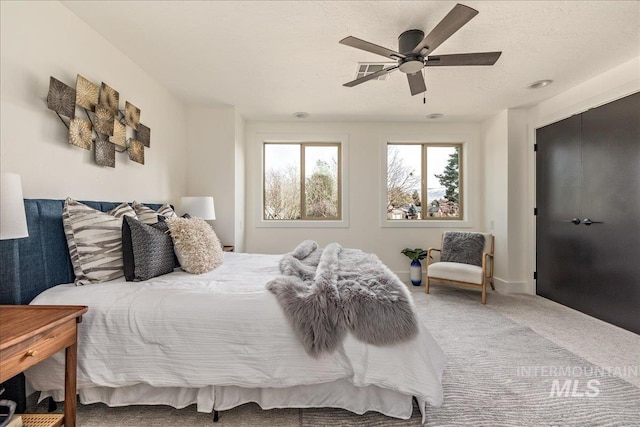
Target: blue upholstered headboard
40 261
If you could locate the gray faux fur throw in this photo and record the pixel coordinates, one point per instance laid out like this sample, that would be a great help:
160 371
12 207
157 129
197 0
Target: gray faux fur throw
326 292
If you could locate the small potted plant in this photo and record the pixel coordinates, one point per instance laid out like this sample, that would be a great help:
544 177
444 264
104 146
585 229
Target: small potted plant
415 255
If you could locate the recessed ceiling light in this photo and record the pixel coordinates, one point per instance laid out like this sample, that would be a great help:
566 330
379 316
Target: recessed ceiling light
301 115
435 116
539 84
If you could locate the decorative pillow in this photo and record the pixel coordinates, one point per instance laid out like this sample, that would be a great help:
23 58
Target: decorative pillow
147 250
196 244
466 248
149 216
95 240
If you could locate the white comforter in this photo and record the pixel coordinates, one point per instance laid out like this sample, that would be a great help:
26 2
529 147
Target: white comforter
222 328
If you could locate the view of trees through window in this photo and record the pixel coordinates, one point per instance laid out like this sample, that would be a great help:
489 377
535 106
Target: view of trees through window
423 181
301 181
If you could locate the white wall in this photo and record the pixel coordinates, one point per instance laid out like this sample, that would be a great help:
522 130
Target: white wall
212 164
365 170
520 273
505 198
496 169
240 182
42 39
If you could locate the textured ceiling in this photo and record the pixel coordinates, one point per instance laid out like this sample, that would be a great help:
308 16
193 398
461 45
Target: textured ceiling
270 59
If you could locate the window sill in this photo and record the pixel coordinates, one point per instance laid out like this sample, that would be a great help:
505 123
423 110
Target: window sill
302 224
418 223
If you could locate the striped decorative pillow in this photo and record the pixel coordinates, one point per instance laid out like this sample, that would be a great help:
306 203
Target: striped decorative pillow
95 241
149 216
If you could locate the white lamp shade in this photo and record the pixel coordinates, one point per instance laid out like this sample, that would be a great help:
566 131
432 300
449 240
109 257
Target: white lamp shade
13 221
202 207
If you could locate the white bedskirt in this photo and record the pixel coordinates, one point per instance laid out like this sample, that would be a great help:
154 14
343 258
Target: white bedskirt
336 394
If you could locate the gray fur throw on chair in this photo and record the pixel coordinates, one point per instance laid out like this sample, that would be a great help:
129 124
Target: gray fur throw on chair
462 247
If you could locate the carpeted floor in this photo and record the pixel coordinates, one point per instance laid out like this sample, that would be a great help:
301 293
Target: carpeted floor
505 367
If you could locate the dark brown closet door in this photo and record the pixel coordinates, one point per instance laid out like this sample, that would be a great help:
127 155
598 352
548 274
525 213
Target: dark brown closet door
611 194
558 200
588 167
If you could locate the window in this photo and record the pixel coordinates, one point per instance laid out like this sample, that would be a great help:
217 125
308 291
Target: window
424 181
302 181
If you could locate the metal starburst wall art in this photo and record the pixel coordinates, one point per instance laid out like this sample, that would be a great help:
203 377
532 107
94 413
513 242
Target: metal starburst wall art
107 128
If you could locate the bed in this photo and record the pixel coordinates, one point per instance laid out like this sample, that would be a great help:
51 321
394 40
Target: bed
217 340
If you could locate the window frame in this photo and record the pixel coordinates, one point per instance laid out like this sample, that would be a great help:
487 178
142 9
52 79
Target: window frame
424 172
339 141
303 179
464 221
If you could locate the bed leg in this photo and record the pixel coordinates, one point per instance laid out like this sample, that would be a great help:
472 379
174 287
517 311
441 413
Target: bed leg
216 416
52 404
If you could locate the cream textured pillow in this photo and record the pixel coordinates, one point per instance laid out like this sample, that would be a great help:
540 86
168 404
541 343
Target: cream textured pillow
196 244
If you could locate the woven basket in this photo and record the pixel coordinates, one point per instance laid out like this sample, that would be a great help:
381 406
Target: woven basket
42 420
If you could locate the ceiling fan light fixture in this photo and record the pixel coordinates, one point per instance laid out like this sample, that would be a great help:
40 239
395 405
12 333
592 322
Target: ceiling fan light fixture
301 115
435 116
411 65
539 84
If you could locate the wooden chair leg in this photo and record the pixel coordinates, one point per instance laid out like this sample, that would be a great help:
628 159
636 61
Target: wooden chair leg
491 283
484 292
426 288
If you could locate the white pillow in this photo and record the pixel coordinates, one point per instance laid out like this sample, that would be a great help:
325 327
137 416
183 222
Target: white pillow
195 244
95 240
149 216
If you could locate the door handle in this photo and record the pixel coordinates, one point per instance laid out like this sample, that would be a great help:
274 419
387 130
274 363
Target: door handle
588 222
575 221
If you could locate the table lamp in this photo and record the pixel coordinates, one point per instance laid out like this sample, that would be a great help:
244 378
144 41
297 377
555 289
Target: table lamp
13 220
198 206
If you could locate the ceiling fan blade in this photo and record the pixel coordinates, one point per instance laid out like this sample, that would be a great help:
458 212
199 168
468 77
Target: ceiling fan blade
370 47
455 19
416 83
370 76
480 58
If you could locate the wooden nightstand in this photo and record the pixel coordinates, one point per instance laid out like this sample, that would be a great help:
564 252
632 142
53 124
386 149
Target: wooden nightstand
228 248
31 333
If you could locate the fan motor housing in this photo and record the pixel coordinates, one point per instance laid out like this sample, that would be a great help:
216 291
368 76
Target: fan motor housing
412 62
408 40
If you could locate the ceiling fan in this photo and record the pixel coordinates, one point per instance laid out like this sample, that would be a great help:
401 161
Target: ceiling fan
414 50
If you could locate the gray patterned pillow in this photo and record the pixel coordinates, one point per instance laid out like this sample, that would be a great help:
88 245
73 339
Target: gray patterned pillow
149 216
95 240
147 250
462 247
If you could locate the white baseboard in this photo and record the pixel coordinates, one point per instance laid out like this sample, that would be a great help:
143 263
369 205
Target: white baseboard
500 284
513 287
